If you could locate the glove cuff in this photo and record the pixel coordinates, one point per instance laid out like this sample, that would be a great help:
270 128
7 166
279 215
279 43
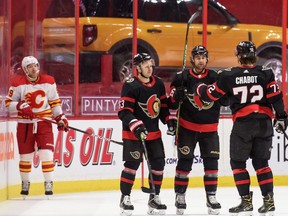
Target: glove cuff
171 117
281 116
19 104
134 124
60 117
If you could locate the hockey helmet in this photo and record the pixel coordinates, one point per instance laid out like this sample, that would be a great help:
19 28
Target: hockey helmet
199 50
245 49
140 58
27 60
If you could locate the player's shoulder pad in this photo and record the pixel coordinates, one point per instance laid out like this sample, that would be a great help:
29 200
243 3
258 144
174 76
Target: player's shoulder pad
227 69
219 71
130 80
18 80
45 78
264 68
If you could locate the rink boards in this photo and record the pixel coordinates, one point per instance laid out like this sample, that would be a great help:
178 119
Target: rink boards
85 163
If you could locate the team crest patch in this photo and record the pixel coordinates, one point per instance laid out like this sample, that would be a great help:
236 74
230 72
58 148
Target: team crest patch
152 107
205 106
185 150
135 154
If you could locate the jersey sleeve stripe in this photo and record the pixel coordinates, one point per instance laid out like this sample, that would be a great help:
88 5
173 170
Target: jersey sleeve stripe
272 94
126 108
129 99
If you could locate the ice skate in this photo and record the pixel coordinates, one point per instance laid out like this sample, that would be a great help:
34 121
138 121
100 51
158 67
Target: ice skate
245 206
25 189
155 207
213 206
126 208
268 207
48 188
180 204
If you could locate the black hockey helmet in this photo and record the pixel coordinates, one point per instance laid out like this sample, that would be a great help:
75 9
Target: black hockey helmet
140 57
246 49
199 50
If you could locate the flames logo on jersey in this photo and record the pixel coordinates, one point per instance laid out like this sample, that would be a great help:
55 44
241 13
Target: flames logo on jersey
135 154
35 99
152 107
185 150
206 105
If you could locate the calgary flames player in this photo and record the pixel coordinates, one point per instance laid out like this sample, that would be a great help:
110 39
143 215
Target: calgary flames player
32 95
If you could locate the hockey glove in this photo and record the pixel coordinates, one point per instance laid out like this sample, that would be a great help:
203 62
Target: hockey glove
180 93
25 109
171 124
138 129
280 123
62 123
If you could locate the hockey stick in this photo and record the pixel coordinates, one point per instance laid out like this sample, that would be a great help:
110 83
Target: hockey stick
285 134
150 190
82 131
192 18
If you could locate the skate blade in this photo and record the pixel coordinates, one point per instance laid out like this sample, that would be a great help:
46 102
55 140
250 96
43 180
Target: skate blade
180 211
248 213
267 214
213 211
126 212
48 197
153 211
24 197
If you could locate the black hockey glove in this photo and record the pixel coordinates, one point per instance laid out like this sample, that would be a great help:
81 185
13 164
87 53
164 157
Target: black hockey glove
171 124
180 93
138 128
280 123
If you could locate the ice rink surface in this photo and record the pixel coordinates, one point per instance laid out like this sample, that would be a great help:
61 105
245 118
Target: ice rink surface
107 203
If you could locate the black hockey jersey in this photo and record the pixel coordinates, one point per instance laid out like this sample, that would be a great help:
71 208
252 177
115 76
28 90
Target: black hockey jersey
205 120
146 102
250 90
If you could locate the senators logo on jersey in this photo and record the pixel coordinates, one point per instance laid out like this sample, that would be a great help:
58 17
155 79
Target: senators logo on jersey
205 106
152 107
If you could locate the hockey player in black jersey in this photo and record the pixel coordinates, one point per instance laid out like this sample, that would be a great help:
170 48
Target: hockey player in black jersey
253 94
143 103
196 126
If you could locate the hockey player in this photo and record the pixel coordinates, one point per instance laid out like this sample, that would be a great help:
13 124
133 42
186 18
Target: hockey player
253 94
143 103
30 95
196 126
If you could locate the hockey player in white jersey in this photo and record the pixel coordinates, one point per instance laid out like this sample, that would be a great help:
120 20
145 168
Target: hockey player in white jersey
33 95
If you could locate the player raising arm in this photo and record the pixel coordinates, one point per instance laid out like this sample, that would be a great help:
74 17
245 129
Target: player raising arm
253 94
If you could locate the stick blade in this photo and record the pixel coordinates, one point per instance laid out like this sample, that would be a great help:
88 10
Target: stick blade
147 190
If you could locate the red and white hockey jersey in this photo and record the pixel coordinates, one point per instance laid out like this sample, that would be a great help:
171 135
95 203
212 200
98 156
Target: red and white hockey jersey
41 95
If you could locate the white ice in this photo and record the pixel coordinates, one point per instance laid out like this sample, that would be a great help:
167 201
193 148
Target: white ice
107 203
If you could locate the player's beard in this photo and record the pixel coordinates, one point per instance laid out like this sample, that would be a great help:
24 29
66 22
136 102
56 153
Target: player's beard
199 68
34 77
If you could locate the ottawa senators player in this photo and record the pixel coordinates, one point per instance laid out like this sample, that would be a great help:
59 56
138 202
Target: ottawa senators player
30 95
196 126
253 94
143 102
